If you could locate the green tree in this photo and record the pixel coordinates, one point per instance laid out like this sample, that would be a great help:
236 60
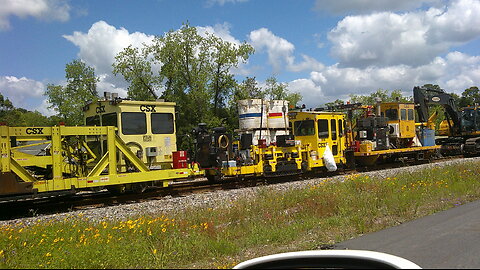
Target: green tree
469 97
195 72
5 104
185 59
80 89
6 109
433 86
135 67
332 104
248 88
225 56
19 116
381 94
36 119
279 91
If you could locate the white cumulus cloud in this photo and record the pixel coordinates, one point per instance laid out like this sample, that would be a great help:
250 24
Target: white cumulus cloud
309 90
220 30
58 10
19 88
99 46
455 73
24 93
280 52
367 6
414 38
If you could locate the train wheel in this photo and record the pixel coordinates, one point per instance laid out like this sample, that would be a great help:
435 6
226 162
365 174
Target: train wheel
214 178
117 189
139 187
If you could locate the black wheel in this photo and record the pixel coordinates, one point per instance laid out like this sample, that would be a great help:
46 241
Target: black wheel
117 189
214 178
139 187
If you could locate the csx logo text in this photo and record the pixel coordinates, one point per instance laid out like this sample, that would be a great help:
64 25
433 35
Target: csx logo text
34 131
100 109
147 108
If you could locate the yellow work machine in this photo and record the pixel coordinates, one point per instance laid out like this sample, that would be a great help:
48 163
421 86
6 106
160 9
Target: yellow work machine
126 145
317 132
303 150
386 132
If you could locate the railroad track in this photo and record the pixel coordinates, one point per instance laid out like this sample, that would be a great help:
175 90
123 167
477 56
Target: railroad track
91 200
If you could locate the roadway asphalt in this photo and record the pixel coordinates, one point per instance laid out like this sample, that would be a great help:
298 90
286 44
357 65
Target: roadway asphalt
448 239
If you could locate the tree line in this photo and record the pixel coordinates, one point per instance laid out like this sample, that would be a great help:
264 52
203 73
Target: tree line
12 115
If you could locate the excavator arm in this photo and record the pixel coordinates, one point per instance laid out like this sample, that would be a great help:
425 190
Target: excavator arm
424 96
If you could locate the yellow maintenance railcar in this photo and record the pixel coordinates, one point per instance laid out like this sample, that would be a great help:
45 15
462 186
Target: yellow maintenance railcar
316 131
388 132
303 150
126 145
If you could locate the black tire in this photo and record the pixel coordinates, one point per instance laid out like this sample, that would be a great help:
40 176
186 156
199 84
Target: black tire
117 189
212 179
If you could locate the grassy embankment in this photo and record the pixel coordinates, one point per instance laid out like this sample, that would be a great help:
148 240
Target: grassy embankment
268 223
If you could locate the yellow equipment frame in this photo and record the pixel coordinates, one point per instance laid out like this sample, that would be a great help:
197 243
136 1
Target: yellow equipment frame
105 172
259 155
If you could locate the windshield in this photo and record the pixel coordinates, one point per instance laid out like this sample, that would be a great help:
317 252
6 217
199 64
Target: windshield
468 119
304 128
392 114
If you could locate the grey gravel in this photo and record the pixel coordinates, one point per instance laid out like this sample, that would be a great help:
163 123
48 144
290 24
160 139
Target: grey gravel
171 205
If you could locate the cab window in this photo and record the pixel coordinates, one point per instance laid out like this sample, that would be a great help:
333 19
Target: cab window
333 123
403 114
162 123
109 119
92 121
477 119
134 123
468 119
340 127
391 114
411 115
304 128
323 129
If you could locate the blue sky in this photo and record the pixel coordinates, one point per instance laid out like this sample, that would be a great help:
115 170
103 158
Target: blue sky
323 49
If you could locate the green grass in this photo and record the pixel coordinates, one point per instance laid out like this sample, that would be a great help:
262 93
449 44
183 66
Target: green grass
267 223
